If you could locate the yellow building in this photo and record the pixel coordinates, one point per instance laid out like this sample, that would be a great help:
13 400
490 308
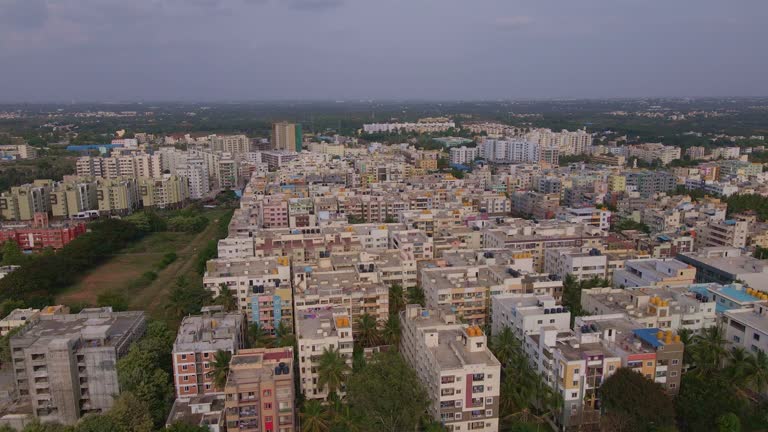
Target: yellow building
617 183
169 191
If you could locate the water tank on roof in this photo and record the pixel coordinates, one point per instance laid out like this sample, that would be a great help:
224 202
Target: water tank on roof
559 310
278 370
546 311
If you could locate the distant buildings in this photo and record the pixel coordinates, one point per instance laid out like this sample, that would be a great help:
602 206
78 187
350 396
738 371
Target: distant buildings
464 155
287 137
654 272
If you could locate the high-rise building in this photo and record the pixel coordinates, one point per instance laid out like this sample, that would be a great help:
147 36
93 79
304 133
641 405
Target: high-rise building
287 136
316 332
65 366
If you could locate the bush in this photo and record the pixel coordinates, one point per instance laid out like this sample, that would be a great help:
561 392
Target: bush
168 258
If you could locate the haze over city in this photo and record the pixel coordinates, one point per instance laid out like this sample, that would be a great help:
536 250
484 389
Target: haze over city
109 50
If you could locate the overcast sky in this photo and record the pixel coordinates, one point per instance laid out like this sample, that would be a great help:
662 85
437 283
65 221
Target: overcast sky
110 50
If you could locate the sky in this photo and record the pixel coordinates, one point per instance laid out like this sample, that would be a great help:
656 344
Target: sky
243 50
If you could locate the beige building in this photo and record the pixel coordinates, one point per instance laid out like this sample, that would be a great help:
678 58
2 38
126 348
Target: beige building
117 196
727 233
286 136
234 144
452 360
71 198
259 391
168 191
22 202
316 332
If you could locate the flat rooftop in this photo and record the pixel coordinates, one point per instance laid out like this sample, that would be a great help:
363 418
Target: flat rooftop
93 328
210 332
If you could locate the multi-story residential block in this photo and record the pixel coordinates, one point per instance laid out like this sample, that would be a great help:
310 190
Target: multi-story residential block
454 364
262 287
198 340
168 191
41 233
463 290
727 265
198 177
509 151
287 136
65 365
421 127
464 155
71 198
727 233
649 183
117 196
526 314
600 218
18 151
234 144
316 332
654 272
665 308
747 328
260 391
22 202
581 264
655 151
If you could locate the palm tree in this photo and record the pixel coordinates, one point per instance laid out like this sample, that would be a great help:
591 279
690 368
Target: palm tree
709 348
757 375
391 331
220 368
332 370
257 337
178 302
368 330
686 337
313 417
738 365
415 295
284 335
343 418
226 298
505 346
396 299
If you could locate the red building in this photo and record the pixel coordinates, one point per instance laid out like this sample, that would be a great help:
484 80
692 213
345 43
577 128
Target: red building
41 234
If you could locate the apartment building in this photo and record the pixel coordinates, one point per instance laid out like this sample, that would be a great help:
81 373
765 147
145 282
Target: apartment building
64 365
287 136
576 262
198 340
655 151
726 265
509 151
198 177
69 198
599 218
118 196
464 155
414 242
747 328
317 331
259 395
234 144
167 191
727 233
41 233
22 202
129 166
649 183
526 314
454 364
18 151
654 272
261 286
463 290
536 204
654 307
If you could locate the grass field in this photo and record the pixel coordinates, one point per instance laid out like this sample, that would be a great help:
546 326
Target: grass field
124 268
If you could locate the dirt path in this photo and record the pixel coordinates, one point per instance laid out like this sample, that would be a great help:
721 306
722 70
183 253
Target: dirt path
153 298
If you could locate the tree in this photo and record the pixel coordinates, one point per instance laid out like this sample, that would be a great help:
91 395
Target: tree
646 407
415 295
505 346
220 367
114 298
184 427
390 332
8 306
226 298
284 336
703 399
37 426
257 337
186 299
96 423
738 365
387 394
757 371
368 330
709 349
332 370
728 422
12 254
313 417
396 299
131 414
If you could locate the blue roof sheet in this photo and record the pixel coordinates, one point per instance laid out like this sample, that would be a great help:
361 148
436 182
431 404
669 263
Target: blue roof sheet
649 335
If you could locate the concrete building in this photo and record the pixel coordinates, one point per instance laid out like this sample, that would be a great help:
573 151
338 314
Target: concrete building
654 272
72 197
22 202
727 265
580 264
655 151
198 340
318 331
260 391
198 177
454 364
464 155
168 191
599 218
65 365
747 328
653 307
287 136
118 196
527 313
509 151
234 144
727 233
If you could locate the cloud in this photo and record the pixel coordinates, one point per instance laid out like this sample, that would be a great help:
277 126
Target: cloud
23 14
513 22
315 5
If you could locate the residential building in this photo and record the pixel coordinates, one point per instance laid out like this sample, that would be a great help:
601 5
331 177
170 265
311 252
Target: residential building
580 264
316 332
747 328
654 272
526 314
198 340
168 191
287 136
464 155
454 364
655 151
727 233
41 234
726 265
65 366
259 391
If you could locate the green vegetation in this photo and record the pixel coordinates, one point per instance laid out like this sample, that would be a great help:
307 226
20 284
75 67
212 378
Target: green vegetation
629 224
20 172
566 160
43 276
748 203
645 408
572 293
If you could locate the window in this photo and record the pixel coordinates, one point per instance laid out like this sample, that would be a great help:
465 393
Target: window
457 416
756 337
611 368
675 361
488 413
673 373
576 371
186 388
539 322
488 401
183 356
673 385
649 364
267 406
186 378
183 367
267 393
